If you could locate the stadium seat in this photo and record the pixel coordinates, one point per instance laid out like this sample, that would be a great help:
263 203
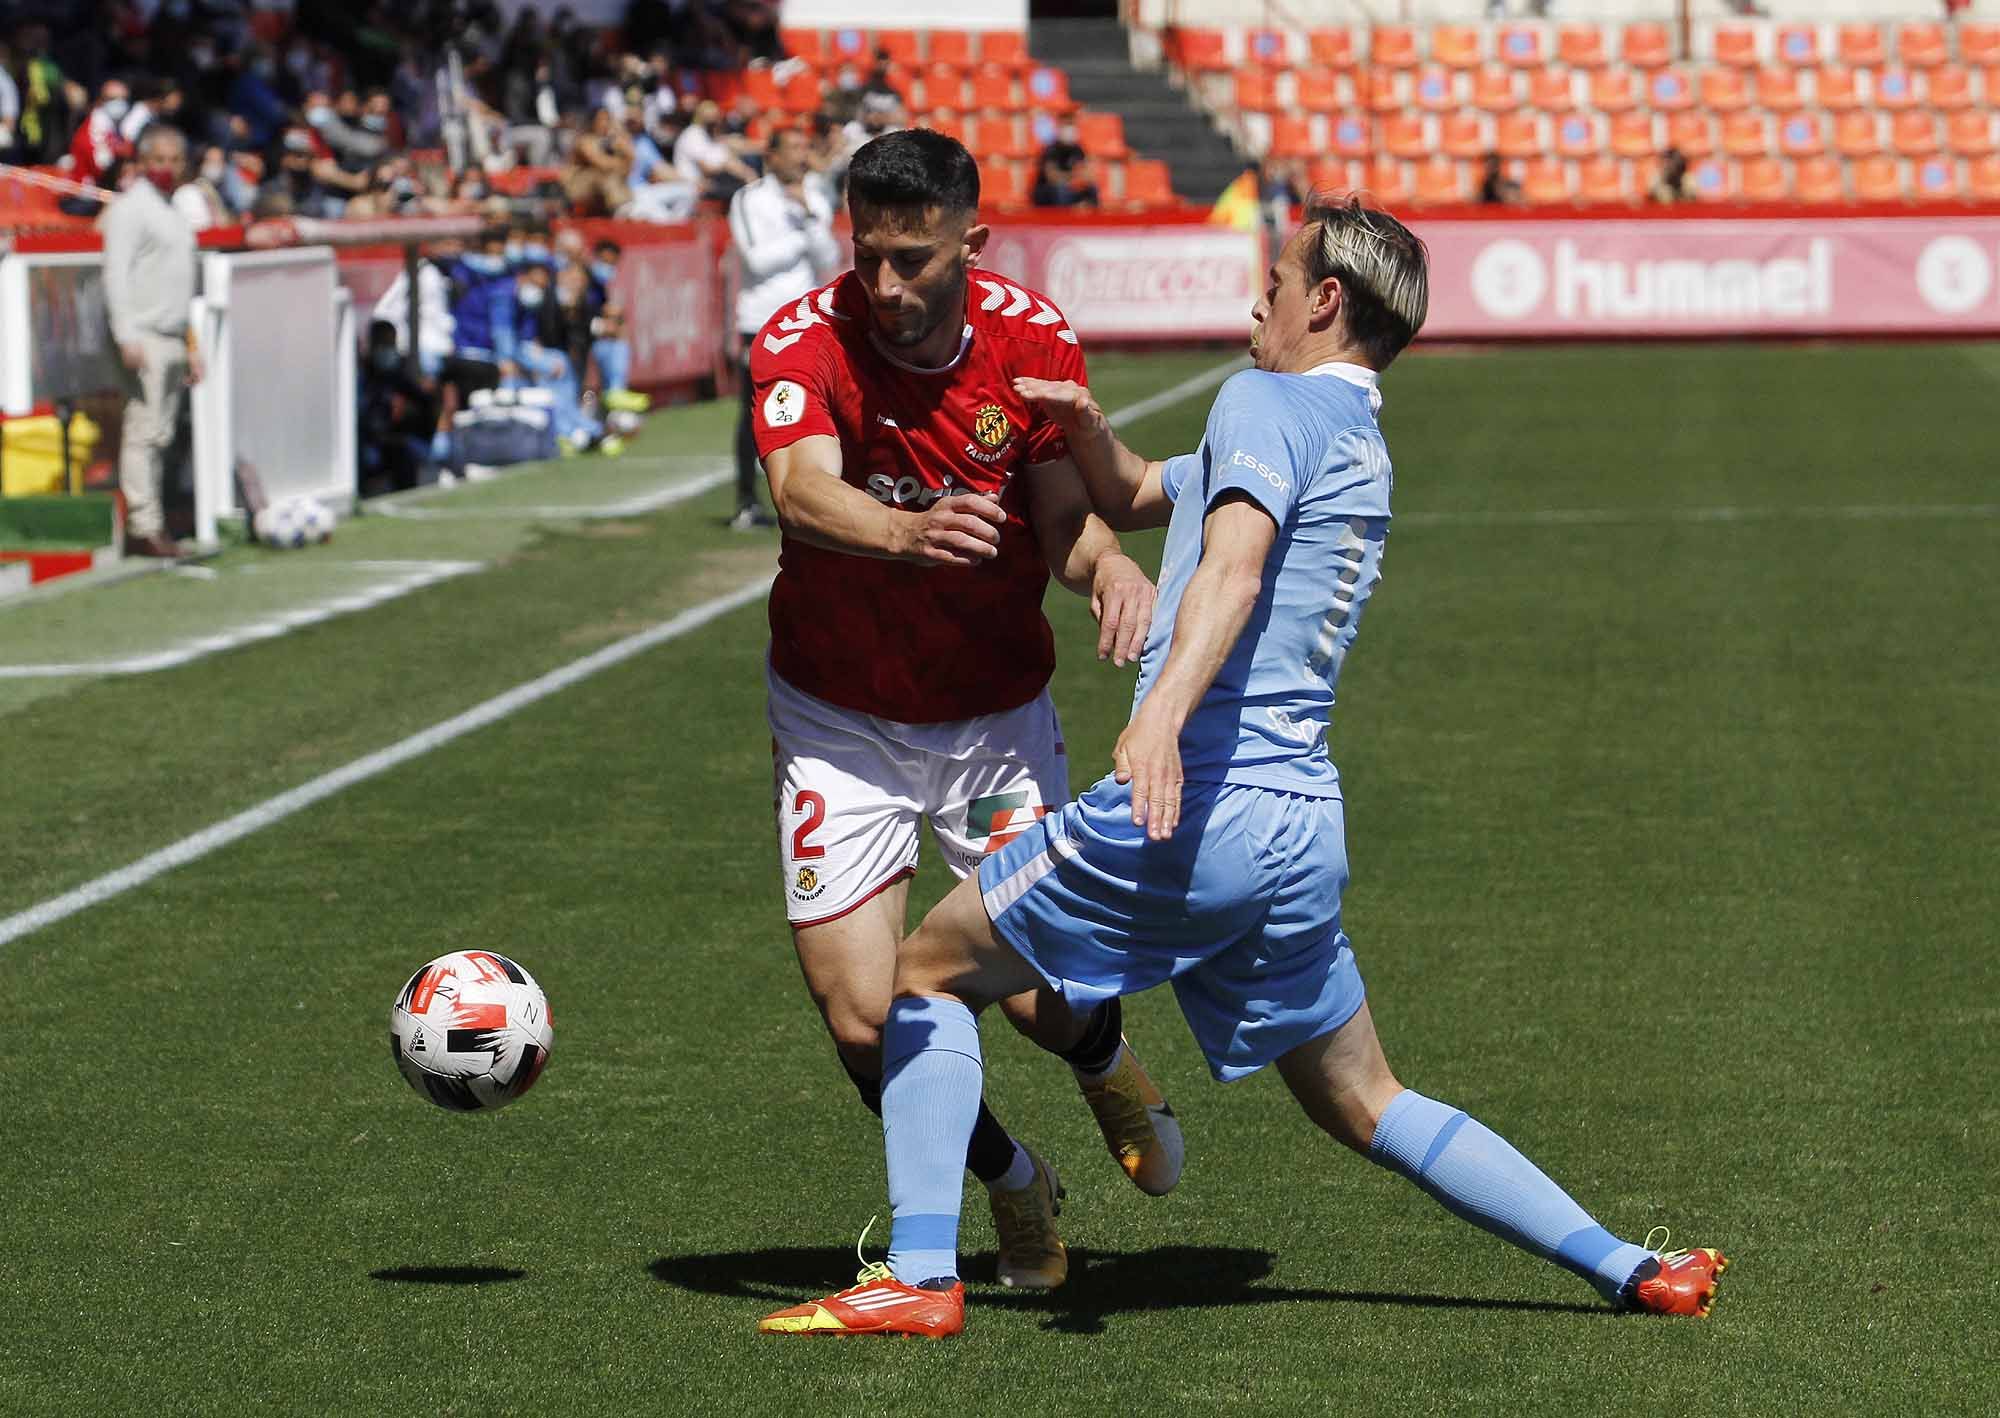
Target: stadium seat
1763 180
946 88
1551 91
1669 91
1834 90
1462 135
1331 47
800 94
1048 89
1351 136
1404 136
1860 46
1495 89
1545 182
1979 44
1894 89
762 87
1434 89
1387 183
1438 180
1005 47
1820 181
1949 88
1801 135
1332 175
1291 136
1382 90
802 44
1692 133
1646 45
1935 180
1000 185
1736 46
1149 181
1745 135
1878 180
1266 46
1632 135
902 46
1393 46
847 45
1317 90
1581 46
993 87
1798 46
1579 135
1102 135
1709 181
1922 44
1914 135
943 123
1518 135
1255 91
1970 133
1519 47
1982 179
953 47
1723 90
1857 135
1611 91
997 136
1457 46
1604 180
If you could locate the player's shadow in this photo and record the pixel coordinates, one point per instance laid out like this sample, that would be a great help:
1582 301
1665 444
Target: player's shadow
448 1274
1101 1283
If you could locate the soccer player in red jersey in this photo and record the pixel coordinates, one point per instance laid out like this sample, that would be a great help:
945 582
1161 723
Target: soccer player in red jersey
925 504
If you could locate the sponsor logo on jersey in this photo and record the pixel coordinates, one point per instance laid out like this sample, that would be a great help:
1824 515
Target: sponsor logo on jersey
1264 470
997 820
908 491
990 426
785 404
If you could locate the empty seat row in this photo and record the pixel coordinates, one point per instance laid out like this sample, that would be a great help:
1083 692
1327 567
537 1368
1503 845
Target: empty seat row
962 48
990 89
1552 181
1132 182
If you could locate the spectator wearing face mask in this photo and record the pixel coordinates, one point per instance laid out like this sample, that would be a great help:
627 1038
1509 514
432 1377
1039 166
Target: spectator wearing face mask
398 415
200 198
550 330
98 143
349 145
705 160
610 351
254 98
484 316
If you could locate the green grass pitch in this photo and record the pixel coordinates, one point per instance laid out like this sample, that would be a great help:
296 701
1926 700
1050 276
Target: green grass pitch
1669 751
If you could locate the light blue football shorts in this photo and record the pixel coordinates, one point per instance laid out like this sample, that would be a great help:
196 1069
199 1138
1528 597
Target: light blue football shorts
1240 908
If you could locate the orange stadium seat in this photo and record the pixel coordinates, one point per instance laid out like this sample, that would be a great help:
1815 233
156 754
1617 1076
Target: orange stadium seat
1351 137
993 87
1292 136
1744 135
1798 46
1669 91
1331 47
1835 90
1462 135
762 87
1579 135
847 44
903 46
1935 180
1778 89
1456 46
1801 135
1723 90
1521 48
1317 90
1102 135
1404 136
1581 46
1970 133
1332 175
1895 89
1857 135
1860 46
1381 90
1495 89
1603 180
1551 91
1982 179
997 136
1878 180
1007 47
1393 46
802 44
1265 46
1439 181
1922 44
1914 135
1820 181
1710 181
800 94
1979 44
1545 183
1435 89
1692 133
1611 91
1048 89
1763 180
1949 88
947 88
1736 45
943 123
1386 182
1646 45
1632 135
1518 135
1150 181
1000 185
953 47
1256 92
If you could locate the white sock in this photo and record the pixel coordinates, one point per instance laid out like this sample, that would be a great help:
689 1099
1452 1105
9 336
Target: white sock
1019 1173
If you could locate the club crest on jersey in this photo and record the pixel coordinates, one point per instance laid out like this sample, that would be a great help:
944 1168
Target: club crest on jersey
785 404
993 433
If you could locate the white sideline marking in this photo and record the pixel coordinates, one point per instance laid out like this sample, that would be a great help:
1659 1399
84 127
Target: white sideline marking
1167 398
629 507
277 809
1650 516
408 576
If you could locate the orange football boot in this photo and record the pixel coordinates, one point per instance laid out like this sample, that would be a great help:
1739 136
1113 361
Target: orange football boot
877 1303
1683 1284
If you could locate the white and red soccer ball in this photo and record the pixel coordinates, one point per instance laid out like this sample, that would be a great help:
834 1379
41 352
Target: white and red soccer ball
471 1030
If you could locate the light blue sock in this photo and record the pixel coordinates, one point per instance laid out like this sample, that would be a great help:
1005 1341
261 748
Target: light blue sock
1475 1174
931 1081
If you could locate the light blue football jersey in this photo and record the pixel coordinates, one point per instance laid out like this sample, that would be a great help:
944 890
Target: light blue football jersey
1307 449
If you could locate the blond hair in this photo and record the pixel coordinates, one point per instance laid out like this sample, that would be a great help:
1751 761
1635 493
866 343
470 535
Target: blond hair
1382 267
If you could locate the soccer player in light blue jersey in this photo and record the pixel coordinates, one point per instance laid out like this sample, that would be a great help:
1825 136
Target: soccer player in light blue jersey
1214 855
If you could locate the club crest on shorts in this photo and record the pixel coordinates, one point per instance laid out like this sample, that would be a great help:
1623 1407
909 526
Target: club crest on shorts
807 885
990 426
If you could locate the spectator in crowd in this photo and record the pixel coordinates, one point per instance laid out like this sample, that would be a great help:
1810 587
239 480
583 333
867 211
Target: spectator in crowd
1671 185
161 101
50 99
350 145
98 143
1062 173
560 353
879 113
398 417
10 106
782 233
484 321
610 351
254 98
149 252
703 159
598 180
306 177
1496 188
200 198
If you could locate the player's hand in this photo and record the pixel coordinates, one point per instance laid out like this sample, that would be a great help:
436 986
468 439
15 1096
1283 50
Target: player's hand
955 531
1122 600
1063 402
1148 757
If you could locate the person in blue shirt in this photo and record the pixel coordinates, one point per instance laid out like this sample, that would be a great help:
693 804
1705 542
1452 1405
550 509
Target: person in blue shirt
1214 855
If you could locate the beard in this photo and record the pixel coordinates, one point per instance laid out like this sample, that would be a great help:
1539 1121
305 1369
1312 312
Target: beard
914 327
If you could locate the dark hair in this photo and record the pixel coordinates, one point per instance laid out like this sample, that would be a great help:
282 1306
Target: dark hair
914 167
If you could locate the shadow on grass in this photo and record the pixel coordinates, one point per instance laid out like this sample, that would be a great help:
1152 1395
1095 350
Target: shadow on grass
448 1274
1101 1283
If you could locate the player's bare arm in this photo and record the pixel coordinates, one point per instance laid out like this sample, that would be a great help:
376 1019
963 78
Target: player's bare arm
1237 536
817 507
1083 553
1124 488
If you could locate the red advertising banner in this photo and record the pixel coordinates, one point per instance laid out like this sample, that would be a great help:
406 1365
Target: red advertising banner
1919 275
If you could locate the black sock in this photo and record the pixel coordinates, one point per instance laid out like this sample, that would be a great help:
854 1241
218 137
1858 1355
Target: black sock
870 1089
991 1151
1098 1047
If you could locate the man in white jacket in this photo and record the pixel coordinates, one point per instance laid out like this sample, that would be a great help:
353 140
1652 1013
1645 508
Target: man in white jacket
782 230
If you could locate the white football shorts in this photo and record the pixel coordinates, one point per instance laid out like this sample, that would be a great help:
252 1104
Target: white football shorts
851 790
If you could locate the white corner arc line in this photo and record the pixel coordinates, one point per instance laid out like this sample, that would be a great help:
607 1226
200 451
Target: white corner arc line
284 805
627 507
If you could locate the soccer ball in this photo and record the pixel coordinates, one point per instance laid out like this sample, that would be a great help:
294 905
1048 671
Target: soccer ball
317 518
471 1030
293 523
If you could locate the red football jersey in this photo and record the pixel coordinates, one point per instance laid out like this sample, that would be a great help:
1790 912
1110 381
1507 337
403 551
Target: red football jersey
892 638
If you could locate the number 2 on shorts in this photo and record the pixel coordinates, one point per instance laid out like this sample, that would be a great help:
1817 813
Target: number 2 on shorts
812 809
